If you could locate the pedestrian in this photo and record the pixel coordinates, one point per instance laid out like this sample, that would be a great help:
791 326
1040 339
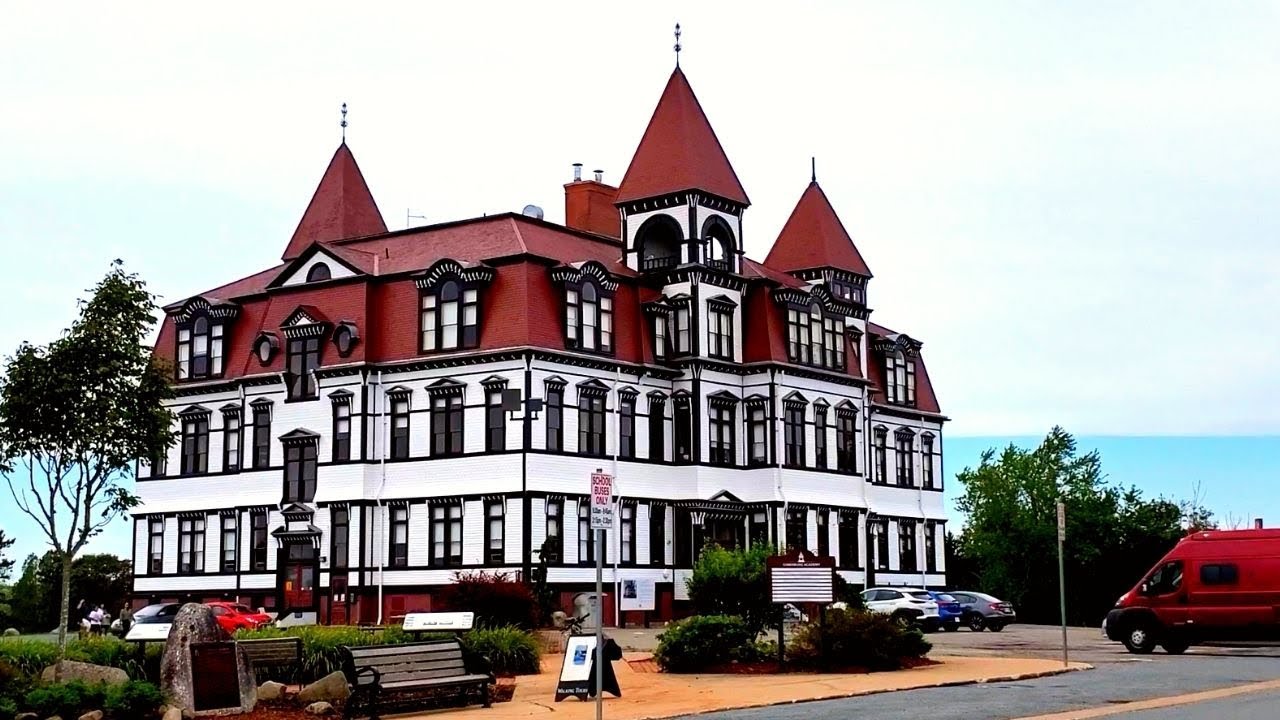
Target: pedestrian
126 620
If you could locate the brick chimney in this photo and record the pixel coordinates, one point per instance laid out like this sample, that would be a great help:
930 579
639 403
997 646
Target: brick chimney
588 205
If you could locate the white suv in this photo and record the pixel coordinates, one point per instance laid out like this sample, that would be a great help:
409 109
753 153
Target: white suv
909 606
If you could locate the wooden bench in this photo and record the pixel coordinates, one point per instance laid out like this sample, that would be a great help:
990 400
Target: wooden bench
273 652
378 672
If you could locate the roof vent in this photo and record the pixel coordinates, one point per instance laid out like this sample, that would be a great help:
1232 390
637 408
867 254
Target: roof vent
599 175
532 211
577 172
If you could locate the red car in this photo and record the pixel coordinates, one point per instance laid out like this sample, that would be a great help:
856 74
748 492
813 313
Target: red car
233 617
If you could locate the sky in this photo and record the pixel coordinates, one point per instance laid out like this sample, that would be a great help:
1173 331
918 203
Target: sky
1073 205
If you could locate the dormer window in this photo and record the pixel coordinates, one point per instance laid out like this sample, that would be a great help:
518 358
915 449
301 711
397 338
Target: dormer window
319 272
588 318
450 317
682 331
814 338
661 336
200 349
303 359
848 291
900 378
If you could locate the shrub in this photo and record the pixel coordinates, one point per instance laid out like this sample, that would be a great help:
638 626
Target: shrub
133 700
512 651
109 651
67 700
734 582
702 641
27 656
495 598
13 687
857 638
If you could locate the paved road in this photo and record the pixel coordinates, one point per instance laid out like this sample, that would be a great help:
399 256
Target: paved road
1253 706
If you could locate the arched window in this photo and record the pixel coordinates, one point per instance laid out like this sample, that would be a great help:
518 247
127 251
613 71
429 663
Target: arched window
588 318
199 349
900 378
718 243
658 241
450 317
318 272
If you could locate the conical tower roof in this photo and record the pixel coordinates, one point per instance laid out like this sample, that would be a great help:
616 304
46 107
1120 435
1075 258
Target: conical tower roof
814 237
342 207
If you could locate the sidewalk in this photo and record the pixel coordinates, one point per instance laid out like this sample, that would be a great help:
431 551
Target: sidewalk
648 694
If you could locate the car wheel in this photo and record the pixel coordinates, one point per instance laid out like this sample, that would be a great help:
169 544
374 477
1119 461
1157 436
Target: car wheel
976 622
1140 638
1175 647
996 627
901 619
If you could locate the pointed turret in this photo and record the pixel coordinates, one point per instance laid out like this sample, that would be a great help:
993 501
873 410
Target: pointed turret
814 237
679 151
341 208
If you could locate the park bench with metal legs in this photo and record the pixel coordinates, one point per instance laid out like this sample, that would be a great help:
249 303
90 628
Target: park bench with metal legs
269 653
382 675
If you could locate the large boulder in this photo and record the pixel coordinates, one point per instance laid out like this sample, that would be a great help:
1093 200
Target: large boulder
11 632
195 624
270 691
330 688
66 670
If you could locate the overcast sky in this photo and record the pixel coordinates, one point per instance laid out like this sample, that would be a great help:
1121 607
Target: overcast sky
1074 205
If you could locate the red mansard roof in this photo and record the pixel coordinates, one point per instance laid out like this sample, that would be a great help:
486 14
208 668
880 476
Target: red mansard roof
342 207
926 400
679 151
814 237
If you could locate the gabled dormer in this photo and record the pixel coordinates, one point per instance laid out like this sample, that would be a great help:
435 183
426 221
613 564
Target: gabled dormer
204 329
814 246
681 201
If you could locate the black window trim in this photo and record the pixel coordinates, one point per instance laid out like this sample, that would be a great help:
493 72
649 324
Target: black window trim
262 410
341 407
491 556
449 521
232 438
339 516
195 431
468 335
155 530
398 552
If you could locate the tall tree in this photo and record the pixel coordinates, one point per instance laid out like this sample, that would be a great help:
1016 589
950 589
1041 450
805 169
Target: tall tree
78 413
6 564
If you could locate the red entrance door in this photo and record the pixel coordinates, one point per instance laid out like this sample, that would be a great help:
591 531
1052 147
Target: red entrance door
338 602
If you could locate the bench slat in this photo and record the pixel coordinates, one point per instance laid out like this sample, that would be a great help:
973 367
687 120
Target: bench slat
437 682
387 662
374 651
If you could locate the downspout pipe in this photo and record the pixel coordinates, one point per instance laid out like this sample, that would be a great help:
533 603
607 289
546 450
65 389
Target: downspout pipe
381 547
617 506
779 451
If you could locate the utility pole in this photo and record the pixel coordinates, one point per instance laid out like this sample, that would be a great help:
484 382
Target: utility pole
1062 579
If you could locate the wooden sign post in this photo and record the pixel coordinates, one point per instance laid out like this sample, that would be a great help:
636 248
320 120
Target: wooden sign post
801 577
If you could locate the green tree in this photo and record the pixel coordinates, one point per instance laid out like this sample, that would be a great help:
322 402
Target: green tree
1113 534
6 565
33 605
734 582
76 414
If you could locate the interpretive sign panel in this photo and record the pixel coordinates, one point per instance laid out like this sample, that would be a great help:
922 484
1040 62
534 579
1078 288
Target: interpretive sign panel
444 621
638 594
801 577
215 684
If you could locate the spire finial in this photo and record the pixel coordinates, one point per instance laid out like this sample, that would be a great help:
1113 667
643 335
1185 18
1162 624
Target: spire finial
813 168
678 47
343 124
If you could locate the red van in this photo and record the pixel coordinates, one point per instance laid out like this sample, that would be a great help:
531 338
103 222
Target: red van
1214 585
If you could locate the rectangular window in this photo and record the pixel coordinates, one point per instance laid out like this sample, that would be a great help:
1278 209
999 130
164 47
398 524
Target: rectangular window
229 536
160 464
155 546
258 540
799 336
907 545
882 544
627 534
1219 574
195 444
399 428
926 462
399 545
660 336
300 472
627 427
190 545
848 540
902 442
793 430
846 442
339 552
199 350
446 425
758 436
683 330
231 441
261 437
555 418
758 528
721 427
683 431
657 534
495 421
797 529
591 438
824 533
930 546
586 536
720 333
900 379
820 437
494 532
881 456
446 535
302 362
341 431
450 318
555 531
657 429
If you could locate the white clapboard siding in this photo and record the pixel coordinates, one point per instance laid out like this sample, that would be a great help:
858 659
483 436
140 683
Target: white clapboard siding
274 520
811 530
538 507
570 528
473 522
213 544
170 546
419 535
640 552
354 531
513 529
141 551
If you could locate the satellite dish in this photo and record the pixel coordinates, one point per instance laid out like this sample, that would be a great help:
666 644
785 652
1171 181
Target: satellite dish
532 211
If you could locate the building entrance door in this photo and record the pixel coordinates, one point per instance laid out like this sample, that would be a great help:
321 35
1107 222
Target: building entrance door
299 577
728 533
338 603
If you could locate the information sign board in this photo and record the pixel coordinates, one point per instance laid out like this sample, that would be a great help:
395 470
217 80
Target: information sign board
429 622
638 594
801 577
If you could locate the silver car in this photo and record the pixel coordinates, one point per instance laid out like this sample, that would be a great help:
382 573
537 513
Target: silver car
982 611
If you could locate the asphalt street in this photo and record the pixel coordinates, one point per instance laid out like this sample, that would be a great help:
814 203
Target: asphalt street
1118 679
1253 706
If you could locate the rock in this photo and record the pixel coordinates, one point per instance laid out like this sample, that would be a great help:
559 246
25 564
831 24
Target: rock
271 690
12 632
65 670
92 715
319 708
330 687
26 716
194 623
172 713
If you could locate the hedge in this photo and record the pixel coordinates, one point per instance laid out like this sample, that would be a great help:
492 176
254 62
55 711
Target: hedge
857 639
703 641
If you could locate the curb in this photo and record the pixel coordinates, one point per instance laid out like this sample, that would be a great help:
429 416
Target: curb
1075 667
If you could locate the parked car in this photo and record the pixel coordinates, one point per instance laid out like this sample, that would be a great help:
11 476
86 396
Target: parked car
1216 585
949 611
233 617
909 606
161 613
981 611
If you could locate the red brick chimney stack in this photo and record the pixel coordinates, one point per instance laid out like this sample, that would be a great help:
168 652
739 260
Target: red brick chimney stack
588 205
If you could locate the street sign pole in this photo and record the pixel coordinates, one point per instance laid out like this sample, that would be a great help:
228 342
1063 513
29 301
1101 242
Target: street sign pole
601 520
1062 579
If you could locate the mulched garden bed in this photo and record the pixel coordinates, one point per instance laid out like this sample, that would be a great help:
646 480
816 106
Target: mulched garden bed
501 692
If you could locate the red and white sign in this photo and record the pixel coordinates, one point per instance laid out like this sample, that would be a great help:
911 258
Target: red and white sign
601 501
